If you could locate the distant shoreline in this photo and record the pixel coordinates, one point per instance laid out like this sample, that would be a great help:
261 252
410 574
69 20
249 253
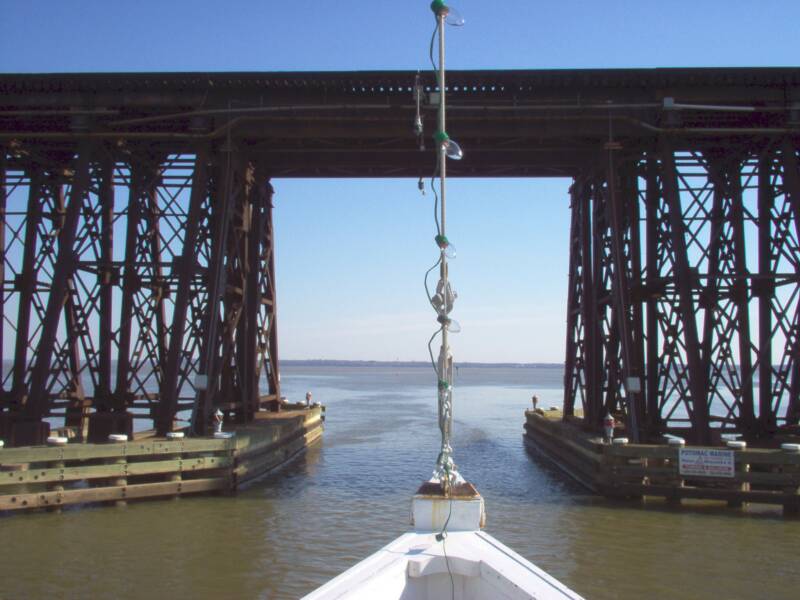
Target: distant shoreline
8 363
404 364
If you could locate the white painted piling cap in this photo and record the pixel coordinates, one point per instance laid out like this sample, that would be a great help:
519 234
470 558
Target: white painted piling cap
2 443
620 441
223 435
56 440
117 437
790 447
175 435
736 444
676 441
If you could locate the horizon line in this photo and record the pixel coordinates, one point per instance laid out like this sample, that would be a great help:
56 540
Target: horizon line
408 363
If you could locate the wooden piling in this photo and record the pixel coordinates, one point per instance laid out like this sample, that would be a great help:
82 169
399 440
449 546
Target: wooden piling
57 468
59 486
176 476
675 480
121 463
791 508
741 468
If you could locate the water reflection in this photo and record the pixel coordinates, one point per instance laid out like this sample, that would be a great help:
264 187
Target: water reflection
349 495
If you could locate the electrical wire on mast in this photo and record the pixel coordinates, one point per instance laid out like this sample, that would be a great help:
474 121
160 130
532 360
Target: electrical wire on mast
442 301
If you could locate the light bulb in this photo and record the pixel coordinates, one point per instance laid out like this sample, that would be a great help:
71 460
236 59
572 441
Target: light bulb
445 245
453 150
450 147
452 325
453 17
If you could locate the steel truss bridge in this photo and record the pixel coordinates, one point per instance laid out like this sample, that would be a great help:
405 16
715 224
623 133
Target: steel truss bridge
137 238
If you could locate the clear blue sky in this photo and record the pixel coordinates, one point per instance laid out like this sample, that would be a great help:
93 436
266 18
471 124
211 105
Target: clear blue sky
352 253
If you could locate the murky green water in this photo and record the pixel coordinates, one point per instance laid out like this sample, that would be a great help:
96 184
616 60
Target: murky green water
351 493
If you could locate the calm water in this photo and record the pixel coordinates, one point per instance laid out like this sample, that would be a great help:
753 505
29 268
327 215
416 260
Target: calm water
350 495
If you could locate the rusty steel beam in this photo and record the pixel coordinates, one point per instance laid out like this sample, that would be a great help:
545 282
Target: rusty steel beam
106 276
3 223
247 337
130 282
37 404
710 295
77 357
766 288
632 220
188 266
227 193
623 268
268 308
654 420
725 296
591 357
574 373
684 284
606 345
26 283
71 363
582 376
232 366
157 284
259 230
746 419
791 362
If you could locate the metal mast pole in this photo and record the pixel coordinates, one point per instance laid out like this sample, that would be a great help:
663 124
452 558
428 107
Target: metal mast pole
445 471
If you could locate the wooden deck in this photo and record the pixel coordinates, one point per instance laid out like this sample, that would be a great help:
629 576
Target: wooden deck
760 475
150 467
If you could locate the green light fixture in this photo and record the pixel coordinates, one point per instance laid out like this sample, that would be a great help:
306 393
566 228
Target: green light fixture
451 15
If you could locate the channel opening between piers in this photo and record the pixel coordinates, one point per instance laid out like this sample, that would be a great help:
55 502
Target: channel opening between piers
664 299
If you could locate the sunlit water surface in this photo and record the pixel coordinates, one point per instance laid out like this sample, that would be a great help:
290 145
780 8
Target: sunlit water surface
350 494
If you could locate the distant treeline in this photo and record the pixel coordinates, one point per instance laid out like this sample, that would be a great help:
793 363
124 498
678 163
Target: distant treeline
401 363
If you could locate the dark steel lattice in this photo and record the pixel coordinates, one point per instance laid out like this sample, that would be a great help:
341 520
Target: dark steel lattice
161 264
672 296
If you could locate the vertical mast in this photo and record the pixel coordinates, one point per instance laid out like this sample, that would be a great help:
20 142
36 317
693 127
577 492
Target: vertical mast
445 472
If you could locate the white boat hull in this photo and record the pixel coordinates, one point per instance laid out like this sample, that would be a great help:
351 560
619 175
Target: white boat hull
468 565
